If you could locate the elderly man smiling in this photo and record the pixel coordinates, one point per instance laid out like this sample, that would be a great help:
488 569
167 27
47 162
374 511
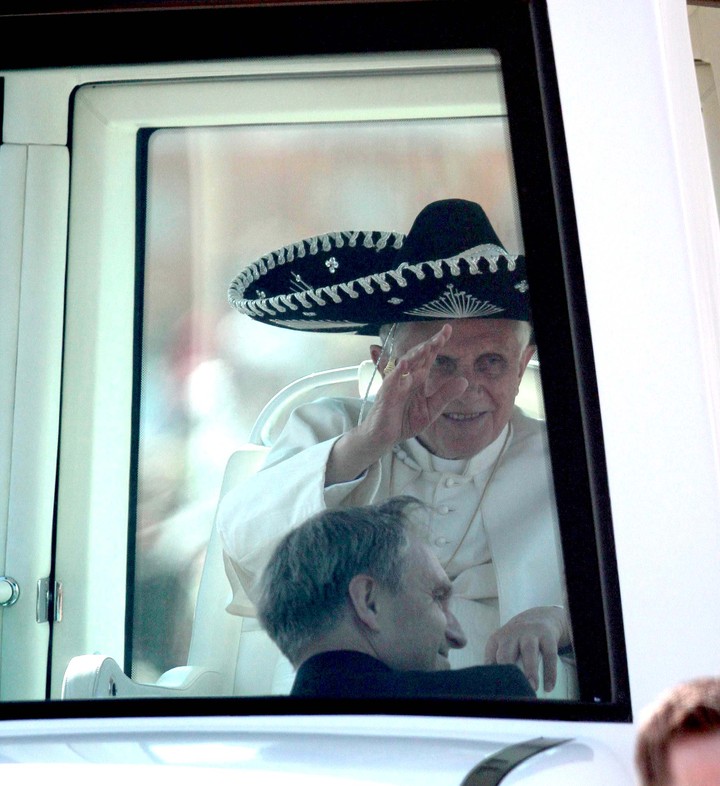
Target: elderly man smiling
452 310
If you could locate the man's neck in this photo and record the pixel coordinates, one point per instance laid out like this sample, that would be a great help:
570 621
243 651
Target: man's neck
338 640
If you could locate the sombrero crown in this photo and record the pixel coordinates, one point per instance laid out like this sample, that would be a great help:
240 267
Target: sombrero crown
451 265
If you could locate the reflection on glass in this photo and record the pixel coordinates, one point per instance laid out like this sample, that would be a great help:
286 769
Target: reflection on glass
221 198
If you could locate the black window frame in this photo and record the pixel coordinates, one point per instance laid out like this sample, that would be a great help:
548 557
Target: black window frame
519 31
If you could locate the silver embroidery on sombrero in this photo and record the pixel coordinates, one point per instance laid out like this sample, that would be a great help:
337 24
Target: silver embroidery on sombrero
398 276
299 249
349 289
381 279
299 285
302 298
452 303
319 324
366 284
455 305
332 291
487 252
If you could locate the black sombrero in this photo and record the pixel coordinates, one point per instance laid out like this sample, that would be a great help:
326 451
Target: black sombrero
450 265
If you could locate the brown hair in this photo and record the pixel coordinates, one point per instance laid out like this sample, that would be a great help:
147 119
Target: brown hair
689 709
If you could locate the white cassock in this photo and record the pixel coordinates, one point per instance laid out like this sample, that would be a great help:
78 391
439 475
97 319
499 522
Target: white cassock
493 518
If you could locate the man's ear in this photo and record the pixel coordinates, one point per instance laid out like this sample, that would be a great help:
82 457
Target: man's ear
525 358
363 592
375 352
376 355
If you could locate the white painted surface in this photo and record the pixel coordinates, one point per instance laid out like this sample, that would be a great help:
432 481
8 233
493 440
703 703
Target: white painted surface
649 242
36 265
648 229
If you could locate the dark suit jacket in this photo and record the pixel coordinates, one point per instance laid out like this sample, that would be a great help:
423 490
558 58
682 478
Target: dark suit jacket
350 674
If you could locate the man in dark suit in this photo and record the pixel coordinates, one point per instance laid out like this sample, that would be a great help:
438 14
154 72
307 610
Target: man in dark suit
359 604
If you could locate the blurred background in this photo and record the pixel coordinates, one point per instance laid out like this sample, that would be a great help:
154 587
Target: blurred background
218 199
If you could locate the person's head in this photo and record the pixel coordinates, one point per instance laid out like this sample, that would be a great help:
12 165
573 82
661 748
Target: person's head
678 742
362 579
492 354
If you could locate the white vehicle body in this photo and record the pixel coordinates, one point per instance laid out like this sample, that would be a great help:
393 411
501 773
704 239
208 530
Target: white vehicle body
647 224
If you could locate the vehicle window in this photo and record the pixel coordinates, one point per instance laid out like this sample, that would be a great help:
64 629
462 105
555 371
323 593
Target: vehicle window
190 425
218 199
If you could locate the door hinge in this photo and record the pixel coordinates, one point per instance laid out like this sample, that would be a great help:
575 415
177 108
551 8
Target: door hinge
49 606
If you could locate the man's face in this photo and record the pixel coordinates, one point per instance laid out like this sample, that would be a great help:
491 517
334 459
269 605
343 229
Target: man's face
695 760
418 629
486 352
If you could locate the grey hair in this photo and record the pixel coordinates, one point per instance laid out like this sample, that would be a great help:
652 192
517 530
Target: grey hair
304 587
524 333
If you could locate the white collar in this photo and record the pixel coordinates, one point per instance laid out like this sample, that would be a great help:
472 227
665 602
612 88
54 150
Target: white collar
412 453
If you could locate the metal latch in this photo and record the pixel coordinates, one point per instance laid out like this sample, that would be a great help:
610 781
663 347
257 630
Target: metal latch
9 591
49 601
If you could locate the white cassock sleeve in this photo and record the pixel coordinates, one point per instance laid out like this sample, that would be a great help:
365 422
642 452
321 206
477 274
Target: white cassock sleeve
290 487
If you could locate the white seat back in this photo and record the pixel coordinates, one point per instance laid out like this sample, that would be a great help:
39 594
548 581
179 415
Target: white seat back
235 647
229 655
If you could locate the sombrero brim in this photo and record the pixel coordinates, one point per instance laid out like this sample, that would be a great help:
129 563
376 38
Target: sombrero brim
356 281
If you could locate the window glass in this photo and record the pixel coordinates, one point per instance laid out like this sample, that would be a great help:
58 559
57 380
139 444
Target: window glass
218 199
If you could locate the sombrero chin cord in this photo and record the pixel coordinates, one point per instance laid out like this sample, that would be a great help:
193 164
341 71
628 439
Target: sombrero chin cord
385 353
